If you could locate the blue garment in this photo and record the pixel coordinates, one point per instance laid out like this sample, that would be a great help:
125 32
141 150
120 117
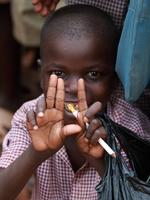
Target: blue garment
133 59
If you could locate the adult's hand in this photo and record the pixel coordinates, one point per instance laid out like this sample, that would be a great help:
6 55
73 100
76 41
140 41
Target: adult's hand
44 6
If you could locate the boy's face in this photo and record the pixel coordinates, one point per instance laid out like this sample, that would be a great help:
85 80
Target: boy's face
71 60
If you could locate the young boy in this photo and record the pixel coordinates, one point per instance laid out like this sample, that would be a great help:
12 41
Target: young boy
77 67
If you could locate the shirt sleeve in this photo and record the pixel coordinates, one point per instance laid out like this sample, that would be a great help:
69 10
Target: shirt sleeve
17 139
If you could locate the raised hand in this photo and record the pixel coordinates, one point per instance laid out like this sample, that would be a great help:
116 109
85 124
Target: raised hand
46 127
87 138
44 6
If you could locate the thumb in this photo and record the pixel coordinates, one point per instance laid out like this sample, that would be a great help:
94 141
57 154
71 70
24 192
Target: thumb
70 130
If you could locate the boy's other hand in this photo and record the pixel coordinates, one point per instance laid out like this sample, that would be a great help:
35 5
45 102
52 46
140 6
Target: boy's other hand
46 127
87 139
44 6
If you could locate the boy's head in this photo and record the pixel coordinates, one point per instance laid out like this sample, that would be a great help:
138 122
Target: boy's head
81 21
80 41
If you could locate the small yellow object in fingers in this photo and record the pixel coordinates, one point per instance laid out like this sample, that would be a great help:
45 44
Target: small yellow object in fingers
71 108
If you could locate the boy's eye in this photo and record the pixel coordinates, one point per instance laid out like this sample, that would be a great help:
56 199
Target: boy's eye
94 74
58 73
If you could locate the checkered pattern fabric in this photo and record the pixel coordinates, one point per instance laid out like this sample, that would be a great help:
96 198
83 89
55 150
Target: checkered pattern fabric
116 9
54 178
143 102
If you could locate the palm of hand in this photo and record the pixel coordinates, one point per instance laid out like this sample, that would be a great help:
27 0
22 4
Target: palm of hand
95 151
48 136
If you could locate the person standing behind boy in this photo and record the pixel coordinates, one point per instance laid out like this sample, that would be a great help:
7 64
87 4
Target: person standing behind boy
77 66
116 9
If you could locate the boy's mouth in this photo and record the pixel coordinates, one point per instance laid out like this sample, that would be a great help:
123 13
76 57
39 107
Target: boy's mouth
75 105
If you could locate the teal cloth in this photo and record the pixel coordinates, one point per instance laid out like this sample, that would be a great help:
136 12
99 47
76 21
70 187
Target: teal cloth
133 59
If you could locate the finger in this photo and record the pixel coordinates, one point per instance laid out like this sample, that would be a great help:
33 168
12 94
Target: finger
41 106
51 92
94 125
38 7
92 111
31 120
34 2
80 120
60 95
44 11
48 2
82 96
70 129
53 5
99 133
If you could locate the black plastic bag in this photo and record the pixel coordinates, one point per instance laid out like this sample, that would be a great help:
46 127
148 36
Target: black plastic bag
119 182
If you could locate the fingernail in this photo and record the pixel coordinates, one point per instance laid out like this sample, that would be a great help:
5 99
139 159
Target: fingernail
35 127
40 114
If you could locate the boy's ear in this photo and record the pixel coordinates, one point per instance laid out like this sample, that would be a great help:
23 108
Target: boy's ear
39 72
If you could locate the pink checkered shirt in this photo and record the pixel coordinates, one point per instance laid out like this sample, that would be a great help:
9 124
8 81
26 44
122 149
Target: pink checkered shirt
143 102
116 9
55 178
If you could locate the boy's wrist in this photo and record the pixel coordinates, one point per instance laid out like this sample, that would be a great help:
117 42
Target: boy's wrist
97 163
40 156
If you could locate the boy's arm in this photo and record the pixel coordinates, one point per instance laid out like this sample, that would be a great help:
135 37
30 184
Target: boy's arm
44 6
16 175
46 140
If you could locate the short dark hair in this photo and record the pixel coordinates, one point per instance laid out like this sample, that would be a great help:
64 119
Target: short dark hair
80 21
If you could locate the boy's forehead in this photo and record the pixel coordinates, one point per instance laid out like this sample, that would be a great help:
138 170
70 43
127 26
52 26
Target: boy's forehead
68 43
73 36
88 51
76 26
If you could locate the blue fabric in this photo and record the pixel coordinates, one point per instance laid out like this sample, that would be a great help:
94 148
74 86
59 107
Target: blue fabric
133 59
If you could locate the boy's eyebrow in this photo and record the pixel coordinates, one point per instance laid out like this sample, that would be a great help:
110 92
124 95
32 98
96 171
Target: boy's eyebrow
93 66
62 67
96 66
56 65
90 67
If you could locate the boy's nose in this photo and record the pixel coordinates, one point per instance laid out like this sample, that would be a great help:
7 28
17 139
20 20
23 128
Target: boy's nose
71 85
